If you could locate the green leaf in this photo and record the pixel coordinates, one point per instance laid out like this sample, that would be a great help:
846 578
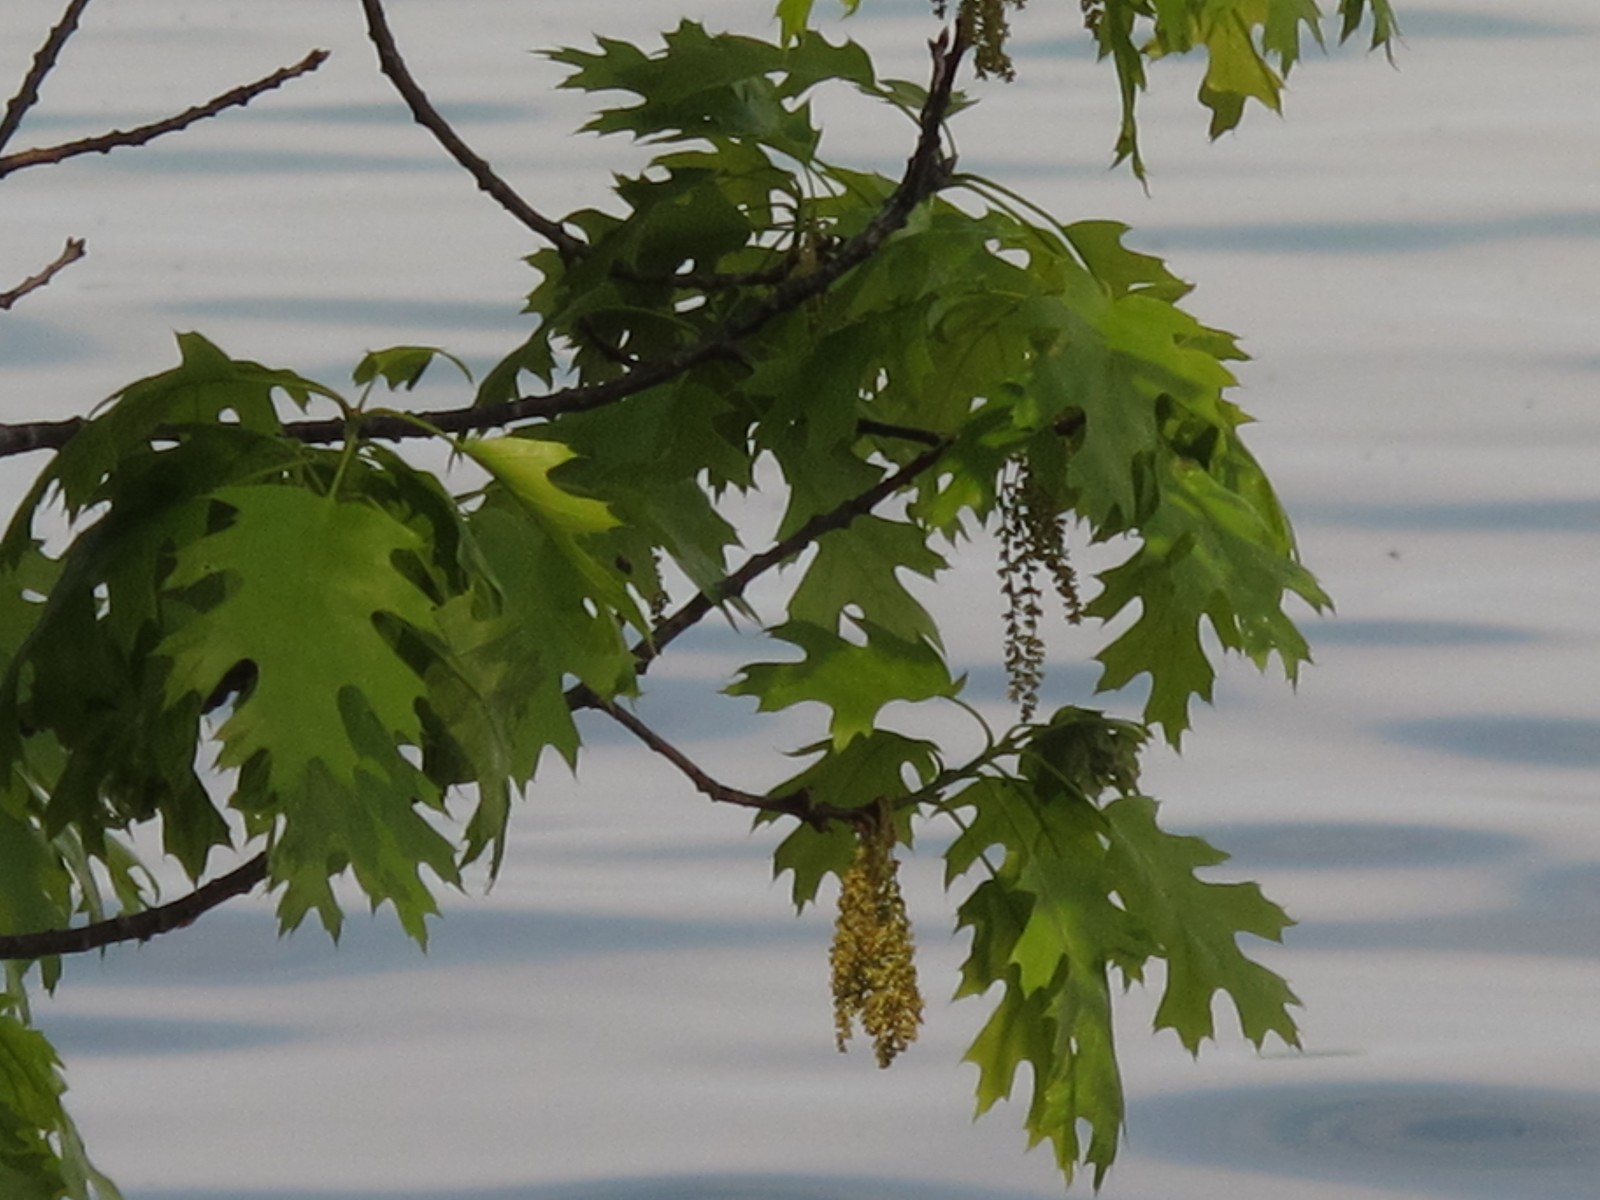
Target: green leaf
859 567
1196 925
403 366
700 85
793 15
879 766
523 465
314 599
1046 927
1209 554
853 680
207 387
369 822
41 1156
35 887
513 643
812 854
1385 28
306 577
796 14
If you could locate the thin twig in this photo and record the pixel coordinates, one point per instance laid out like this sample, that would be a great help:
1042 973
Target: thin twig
139 926
27 436
711 281
903 433
733 585
73 251
138 136
38 435
44 62
926 172
424 113
794 804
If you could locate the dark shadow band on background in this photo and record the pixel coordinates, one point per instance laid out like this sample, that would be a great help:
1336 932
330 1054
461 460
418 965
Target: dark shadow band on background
381 311
1356 846
1387 633
232 948
1560 742
1578 515
28 342
1457 1140
75 1034
1370 237
1554 913
662 1187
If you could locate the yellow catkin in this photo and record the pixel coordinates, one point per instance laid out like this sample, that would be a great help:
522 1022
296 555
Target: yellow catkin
873 956
986 28
1032 539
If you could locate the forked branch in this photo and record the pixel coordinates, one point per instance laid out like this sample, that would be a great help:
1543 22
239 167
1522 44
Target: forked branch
927 171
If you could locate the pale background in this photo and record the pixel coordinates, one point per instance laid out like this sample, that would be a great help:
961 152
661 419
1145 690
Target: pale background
1412 255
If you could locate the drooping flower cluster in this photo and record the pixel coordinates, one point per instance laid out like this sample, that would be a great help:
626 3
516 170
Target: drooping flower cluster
873 955
984 22
1032 538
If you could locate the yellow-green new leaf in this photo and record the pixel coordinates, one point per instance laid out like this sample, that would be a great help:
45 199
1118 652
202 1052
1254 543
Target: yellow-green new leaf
522 466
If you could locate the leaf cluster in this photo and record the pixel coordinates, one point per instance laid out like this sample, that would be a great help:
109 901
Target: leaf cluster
1250 46
267 631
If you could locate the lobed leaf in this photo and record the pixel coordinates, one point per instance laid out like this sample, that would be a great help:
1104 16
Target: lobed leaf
855 681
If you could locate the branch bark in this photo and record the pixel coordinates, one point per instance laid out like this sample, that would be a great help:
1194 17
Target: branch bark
44 62
927 171
796 804
424 113
138 136
139 926
73 251
733 585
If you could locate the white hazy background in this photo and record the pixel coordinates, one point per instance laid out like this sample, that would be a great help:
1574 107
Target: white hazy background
1412 255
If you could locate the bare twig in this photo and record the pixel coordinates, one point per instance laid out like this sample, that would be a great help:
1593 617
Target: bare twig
926 172
423 111
140 926
43 63
38 435
733 584
794 804
138 136
73 251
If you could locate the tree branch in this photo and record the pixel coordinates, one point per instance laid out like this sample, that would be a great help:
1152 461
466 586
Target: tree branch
423 111
72 253
139 926
926 172
733 585
796 804
138 136
44 62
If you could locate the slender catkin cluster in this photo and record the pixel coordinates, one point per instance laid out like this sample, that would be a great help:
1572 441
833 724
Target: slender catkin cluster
873 955
1033 538
984 21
